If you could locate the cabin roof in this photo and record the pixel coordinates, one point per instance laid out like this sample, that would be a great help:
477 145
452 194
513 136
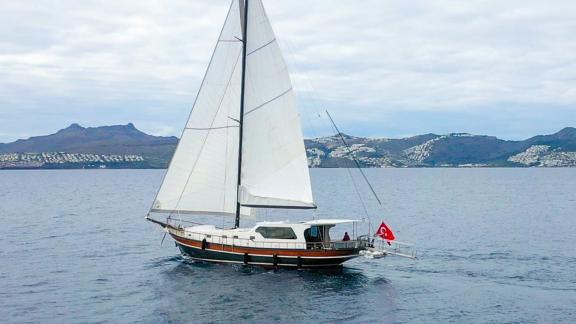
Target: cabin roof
332 221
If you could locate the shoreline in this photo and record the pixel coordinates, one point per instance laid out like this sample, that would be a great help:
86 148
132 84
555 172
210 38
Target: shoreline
423 167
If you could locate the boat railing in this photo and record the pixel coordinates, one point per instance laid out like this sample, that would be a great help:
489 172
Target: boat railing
337 245
393 248
360 242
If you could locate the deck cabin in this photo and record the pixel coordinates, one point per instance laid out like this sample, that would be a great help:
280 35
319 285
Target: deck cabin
310 235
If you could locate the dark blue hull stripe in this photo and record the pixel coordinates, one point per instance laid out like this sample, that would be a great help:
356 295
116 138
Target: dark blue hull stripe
281 261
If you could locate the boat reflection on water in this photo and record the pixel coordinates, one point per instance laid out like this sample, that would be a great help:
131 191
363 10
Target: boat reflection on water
208 292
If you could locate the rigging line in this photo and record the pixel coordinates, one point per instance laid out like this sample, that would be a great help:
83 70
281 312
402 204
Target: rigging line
354 158
191 110
291 64
316 109
208 134
315 106
313 100
261 47
269 101
356 189
225 170
358 193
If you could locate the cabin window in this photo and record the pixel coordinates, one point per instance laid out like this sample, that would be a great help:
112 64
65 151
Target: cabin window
283 233
318 233
314 231
312 234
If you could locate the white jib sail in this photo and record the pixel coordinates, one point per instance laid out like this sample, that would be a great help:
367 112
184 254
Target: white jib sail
202 177
274 164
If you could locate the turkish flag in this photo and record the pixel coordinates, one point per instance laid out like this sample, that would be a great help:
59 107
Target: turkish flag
385 232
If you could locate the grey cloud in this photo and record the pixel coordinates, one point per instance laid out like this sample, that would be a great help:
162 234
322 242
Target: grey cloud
98 62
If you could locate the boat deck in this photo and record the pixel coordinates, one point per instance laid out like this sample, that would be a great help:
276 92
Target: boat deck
229 239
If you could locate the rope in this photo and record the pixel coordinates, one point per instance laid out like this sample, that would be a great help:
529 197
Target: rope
354 159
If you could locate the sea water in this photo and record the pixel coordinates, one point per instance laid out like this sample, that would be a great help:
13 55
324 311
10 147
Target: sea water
495 246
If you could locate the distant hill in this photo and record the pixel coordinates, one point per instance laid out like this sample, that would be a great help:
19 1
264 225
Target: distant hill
124 146
110 140
452 150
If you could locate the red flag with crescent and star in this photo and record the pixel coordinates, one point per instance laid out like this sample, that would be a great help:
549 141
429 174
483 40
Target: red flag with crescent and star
385 232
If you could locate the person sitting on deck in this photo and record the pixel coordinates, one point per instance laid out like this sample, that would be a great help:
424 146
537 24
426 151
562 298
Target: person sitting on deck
346 237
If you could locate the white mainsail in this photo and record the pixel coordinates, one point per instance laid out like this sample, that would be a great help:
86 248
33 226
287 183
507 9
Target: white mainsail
274 166
203 174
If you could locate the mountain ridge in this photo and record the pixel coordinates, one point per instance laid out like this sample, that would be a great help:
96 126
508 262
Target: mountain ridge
79 147
109 140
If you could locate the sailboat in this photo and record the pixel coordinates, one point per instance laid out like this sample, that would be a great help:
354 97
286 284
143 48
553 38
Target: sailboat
242 150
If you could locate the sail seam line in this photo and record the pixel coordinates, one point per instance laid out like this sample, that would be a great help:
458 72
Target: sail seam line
269 101
212 128
261 47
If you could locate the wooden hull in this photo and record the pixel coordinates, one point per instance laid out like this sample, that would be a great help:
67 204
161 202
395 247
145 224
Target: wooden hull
285 258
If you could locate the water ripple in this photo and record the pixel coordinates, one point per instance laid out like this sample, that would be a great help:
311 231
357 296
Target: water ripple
75 249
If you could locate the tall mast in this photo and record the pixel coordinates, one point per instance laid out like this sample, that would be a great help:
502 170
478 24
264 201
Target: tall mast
244 42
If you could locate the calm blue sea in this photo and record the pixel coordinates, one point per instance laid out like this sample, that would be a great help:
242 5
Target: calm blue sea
495 245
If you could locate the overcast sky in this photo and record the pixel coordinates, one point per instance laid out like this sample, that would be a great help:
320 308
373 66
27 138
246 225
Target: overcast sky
383 68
